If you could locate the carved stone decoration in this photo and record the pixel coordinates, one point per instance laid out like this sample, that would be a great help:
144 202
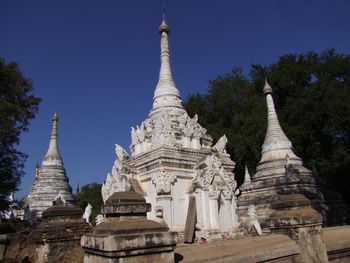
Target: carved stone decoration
213 167
227 192
214 192
99 219
254 220
220 146
87 213
162 181
191 127
230 181
116 182
121 153
163 133
205 179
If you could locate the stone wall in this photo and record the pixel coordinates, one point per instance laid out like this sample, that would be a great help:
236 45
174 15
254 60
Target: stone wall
269 248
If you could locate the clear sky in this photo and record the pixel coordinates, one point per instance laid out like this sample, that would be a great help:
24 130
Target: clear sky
96 62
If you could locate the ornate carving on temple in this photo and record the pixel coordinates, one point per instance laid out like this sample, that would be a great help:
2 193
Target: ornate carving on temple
117 181
209 168
163 133
87 213
220 146
190 126
163 180
215 192
253 220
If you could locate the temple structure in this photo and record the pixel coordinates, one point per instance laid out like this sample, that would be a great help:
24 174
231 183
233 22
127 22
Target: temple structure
50 179
279 172
172 159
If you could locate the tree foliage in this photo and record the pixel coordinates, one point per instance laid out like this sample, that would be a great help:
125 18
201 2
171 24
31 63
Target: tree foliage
17 108
312 98
91 193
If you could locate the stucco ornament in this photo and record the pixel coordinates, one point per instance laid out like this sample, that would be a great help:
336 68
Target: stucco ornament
162 180
163 133
117 181
220 146
134 138
254 220
210 168
99 219
121 153
87 213
190 126
230 181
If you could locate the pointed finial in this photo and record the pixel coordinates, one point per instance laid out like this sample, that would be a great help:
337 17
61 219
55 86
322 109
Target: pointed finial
55 116
164 26
53 152
247 178
163 6
36 169
267 88
166 95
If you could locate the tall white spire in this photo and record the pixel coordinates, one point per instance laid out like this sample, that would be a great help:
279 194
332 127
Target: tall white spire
166 96
53 155
276 145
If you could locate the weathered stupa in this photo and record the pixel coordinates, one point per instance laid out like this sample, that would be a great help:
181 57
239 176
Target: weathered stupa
50 180
174 165
280 171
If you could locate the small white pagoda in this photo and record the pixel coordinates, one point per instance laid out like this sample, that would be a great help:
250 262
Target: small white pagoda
173 161
50 180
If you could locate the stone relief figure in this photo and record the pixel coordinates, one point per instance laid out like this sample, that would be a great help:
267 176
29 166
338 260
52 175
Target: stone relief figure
220 146
99 219
254 220
87 213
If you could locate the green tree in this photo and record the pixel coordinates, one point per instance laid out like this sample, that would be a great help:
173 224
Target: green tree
312 98
234 108
17 108
91 193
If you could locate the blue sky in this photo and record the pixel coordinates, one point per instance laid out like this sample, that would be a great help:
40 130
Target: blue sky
96 62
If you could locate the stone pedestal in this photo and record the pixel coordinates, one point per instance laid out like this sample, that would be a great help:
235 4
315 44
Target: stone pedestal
127 235
294 216
56 238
